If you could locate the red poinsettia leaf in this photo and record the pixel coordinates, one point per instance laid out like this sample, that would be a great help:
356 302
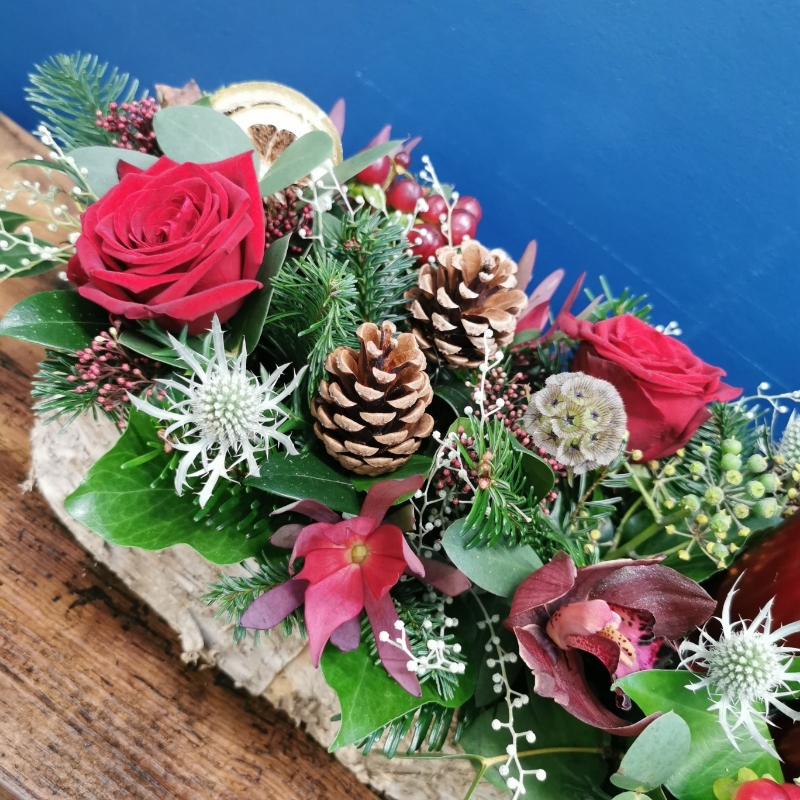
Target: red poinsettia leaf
380 497
348 635
274 606
446 578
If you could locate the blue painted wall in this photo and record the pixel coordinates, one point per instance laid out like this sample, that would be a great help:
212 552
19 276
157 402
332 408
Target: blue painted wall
655 143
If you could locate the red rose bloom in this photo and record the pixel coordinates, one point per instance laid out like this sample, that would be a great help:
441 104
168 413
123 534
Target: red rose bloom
665 387
177 243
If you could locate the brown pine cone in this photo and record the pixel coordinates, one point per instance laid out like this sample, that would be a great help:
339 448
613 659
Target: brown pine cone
468 291
371 412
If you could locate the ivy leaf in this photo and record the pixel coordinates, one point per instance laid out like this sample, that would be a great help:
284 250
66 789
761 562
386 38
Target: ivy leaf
353 165
656 754
711 755
370 699
498 569
61 320
101 163
569 775
199 134
416 465
131 504
306 477
299 159
249 320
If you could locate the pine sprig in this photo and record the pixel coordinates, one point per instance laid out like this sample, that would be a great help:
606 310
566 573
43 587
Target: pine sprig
67 90
374 249
613 306
314 310
234 594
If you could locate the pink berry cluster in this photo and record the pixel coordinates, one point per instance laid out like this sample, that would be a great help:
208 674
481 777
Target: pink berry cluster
109 372
131 124
447 477
436 218
285 217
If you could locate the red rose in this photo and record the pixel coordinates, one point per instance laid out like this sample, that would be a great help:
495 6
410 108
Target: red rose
177 243
665 387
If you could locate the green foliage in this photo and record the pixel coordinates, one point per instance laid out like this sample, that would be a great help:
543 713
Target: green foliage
352 166
22 255
151 340
373 248
67 90
101 165
613 306
233 595
416 465
314 310
297 161
129 499
370 700
60 320
711 755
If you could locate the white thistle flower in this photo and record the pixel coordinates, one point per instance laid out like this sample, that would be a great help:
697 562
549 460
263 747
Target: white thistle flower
226 415
747 671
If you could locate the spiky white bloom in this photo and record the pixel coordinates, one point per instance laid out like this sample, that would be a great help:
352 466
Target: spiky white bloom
226 414
747 671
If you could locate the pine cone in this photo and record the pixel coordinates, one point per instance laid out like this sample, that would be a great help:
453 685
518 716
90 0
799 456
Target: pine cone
371 413
469 291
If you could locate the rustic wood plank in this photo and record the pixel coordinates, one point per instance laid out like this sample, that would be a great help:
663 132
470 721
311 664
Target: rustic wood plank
94 700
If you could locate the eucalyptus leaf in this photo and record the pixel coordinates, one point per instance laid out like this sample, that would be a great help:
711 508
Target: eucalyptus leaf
631 796
247 324
353 165
101 164
655 754
135 506
60 319
370 699
711 755
297 161
570 775
199 134
498 569
307 477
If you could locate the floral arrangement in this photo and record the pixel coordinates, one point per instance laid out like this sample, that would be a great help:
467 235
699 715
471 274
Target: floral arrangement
496 523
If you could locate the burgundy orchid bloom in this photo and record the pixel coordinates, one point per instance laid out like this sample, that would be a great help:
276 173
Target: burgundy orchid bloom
624 612
350 566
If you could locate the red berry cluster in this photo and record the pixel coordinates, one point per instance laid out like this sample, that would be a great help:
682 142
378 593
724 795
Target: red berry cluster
285 217
765 789
132 123
110 372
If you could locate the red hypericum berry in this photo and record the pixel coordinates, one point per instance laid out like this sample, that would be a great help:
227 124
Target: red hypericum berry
403 196
762 789
437 206
403 159
470 204
792 791
425 240
462 224
377 172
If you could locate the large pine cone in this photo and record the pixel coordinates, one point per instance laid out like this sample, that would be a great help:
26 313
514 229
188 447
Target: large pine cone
371 413
469 291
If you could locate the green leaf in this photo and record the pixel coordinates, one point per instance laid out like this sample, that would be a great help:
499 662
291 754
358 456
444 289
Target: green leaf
204 101
147 347
11 220
370 699
248 322
307 477
456 395
353 165
538 472
711 755
133 506
631 796
44 164
656 754
416 465
101 163
498 569
570 775
17 259
300 158
199 134
61 320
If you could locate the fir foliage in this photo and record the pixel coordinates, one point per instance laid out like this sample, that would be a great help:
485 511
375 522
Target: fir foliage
67 90
374 249
613 306
233 595
314 310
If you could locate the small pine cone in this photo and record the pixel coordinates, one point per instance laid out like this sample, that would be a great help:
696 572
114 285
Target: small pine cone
371 412
469 291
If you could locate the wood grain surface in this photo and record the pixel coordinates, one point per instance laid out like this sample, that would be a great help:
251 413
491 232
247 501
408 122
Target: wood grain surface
95 702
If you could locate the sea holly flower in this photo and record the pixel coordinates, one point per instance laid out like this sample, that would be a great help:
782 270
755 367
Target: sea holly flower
747 671
350 566
221 413
624 612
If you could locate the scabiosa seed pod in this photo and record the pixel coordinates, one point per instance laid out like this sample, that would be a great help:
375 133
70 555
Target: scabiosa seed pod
578 419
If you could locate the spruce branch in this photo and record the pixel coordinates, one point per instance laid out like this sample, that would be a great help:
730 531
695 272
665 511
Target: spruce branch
68 90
